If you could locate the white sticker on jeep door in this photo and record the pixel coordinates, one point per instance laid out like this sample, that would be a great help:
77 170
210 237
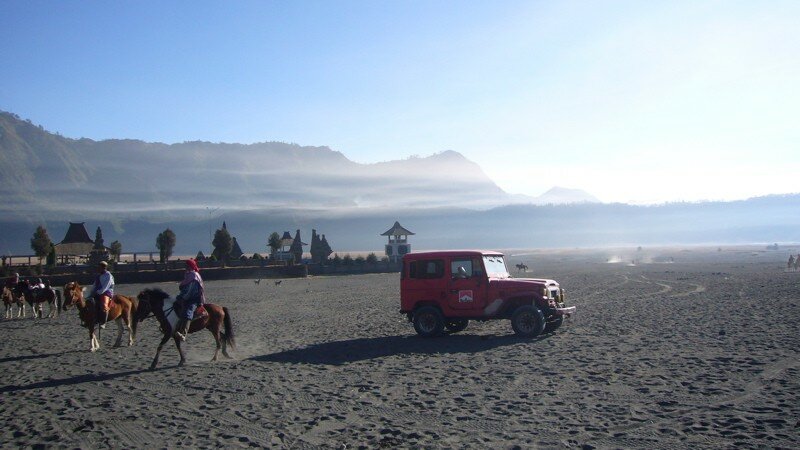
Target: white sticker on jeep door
464 296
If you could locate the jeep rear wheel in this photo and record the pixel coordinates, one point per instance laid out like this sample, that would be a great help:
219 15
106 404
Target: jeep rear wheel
456 325
527 321
428 321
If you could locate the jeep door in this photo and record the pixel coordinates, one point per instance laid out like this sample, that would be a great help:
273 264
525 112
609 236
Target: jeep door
467 285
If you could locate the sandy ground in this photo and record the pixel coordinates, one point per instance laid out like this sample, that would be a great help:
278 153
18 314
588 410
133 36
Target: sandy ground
700 352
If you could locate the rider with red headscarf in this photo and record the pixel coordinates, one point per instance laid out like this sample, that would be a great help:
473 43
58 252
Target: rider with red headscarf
190 297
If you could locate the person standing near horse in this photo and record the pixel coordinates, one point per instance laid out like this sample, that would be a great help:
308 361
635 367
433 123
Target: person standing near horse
191 297
102 292
12 281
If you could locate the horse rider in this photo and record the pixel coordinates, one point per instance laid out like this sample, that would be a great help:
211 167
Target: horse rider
102 292
190 297
791 262
12 281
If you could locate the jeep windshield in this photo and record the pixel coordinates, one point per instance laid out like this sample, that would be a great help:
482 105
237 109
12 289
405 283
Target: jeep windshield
495 267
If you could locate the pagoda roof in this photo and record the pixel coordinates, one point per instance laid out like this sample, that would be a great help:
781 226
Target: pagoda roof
236 251
287 240
76 234
397 230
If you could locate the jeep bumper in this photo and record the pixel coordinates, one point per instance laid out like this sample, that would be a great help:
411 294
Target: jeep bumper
568 311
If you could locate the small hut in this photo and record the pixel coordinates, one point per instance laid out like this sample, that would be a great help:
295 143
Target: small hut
398 242
76 242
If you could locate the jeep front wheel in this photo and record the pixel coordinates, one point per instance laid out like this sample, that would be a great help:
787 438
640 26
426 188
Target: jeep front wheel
527 321
456 325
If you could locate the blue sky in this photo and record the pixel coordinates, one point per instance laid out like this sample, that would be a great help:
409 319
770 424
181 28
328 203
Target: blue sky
639 102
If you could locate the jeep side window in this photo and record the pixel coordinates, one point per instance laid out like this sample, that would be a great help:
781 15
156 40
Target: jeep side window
461 268
426 269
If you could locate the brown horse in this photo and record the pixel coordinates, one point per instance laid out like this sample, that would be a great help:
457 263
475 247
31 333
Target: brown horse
162 306
11 298
122 311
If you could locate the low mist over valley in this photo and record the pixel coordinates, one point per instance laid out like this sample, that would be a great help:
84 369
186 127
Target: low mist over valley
135 189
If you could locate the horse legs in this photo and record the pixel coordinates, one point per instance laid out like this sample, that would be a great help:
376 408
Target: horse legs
118 342
180 350
215 333
21 310
129 322
93 340
158 351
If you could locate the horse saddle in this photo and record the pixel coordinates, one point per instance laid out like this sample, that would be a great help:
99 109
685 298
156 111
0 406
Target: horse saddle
200 313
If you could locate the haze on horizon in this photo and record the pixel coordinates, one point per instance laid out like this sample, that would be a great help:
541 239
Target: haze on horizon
638 102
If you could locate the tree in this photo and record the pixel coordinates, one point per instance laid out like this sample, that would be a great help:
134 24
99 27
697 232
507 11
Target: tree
51 256
165 242
223 243
347 260
360 260
336 260
274 243
372 258
40 243
297 248
116 250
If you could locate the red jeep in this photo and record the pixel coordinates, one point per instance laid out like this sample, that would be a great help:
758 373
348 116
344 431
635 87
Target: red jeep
447 289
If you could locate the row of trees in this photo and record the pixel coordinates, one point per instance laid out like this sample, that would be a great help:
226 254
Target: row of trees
320 250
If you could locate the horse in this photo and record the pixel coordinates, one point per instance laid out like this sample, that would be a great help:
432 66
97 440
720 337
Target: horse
521 267
10 298
122 311
791 264
36 295
162 306
258 281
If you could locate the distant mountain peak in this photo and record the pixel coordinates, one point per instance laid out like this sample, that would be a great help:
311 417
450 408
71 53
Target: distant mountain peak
560 195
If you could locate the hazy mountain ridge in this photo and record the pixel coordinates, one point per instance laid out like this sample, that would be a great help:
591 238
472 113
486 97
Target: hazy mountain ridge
135 189
43 172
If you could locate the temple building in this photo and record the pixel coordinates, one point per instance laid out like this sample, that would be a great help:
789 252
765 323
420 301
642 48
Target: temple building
398 242
290 247
76 242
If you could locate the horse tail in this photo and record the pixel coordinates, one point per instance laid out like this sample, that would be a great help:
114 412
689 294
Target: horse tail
228 337
132 320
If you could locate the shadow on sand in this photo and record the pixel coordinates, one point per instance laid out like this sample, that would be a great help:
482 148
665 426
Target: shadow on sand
352 350
79 379
37 356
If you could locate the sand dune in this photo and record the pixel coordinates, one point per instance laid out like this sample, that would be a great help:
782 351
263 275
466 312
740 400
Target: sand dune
699 353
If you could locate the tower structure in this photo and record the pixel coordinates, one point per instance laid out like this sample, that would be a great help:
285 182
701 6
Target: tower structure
398 242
